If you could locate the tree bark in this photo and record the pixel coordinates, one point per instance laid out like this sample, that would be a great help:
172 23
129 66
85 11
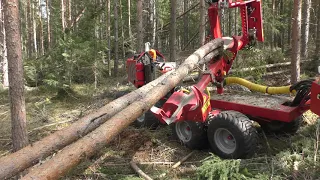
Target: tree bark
185 23
63 9
296 39
305 28
202 22
29 24
41 29
34 23
140 26
72 155
69 14
16 85
153 21
122 35
32 154
129 20
108 4
318 33
272 33
48 24
3 50
116 40
173 31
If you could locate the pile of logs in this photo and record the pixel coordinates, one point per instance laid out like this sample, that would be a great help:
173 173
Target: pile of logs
86 136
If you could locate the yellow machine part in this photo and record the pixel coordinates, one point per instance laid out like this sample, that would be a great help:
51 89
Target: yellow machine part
257 87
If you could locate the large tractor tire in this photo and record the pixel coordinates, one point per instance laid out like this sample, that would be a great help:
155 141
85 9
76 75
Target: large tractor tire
232 135
192 134
148 120
282 128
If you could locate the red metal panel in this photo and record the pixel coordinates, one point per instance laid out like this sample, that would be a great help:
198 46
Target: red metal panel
135 71
315 98
255 20
280 113
214 21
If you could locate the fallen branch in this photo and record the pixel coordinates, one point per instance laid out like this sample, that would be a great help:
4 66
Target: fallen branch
177 164
182 160
73 154
139 171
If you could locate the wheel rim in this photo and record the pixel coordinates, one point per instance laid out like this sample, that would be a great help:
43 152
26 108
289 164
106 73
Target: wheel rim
225 141
141 118
183 131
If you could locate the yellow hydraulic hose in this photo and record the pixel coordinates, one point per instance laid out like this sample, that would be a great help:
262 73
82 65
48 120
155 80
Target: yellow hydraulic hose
257 87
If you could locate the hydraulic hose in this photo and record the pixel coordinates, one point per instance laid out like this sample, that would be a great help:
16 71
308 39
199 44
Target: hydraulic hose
257 87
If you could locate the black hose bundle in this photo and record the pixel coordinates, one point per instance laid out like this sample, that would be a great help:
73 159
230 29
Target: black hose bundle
303 89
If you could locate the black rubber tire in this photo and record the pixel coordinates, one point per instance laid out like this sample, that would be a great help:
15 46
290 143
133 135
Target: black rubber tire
242 130
282 128
149 120
198 138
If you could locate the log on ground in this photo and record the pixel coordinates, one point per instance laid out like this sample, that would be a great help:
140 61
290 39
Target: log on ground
73 154
12 164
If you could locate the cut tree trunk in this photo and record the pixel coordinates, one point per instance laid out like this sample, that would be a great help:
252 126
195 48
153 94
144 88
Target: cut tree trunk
34 153
73 154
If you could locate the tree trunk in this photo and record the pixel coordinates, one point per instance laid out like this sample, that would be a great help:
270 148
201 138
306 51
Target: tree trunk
129 20
29 24
48 24
296 39
122 36
318 33
3 50
185 23
34 23
140 26
116 38
154 21
272 32
16 86
108 4
69 14
305 28
72 155
202 29
41 30
63 9
173 31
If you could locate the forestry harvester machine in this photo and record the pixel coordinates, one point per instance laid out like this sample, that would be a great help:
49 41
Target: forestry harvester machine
225 121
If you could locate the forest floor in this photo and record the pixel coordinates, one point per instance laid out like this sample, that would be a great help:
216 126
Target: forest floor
155 151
